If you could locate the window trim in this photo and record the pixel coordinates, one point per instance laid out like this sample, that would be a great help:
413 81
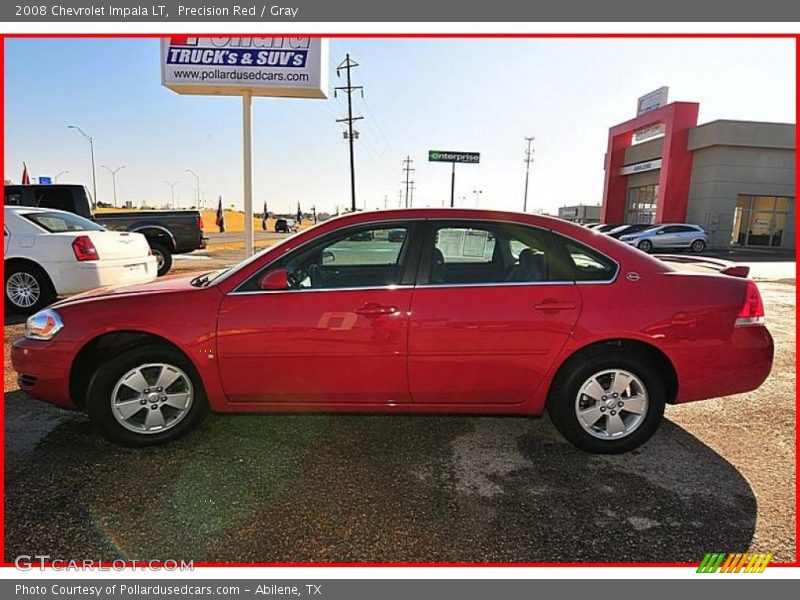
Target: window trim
408 276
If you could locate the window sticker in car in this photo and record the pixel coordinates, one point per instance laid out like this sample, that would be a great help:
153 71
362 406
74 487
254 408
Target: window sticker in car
475 244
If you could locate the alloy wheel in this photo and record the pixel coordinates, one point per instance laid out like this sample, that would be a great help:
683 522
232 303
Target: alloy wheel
152 398
611 404
23 290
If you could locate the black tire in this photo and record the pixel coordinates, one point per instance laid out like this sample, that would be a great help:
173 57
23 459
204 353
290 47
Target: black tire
46 294
698 246
645 246
164 256
99 397
564 393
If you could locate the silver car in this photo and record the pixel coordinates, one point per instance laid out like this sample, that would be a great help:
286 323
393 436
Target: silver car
669 236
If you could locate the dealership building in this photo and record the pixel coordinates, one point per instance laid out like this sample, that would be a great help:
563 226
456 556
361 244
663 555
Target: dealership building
734 178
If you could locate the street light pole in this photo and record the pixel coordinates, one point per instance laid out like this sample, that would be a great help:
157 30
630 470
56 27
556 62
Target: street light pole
172 185
91 149
197 180
114 179
477 196
60 173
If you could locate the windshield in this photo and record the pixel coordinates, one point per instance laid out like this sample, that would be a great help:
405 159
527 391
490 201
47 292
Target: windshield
59 222
217 276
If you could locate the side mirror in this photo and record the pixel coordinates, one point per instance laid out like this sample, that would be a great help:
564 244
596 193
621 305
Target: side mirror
274 280
660 232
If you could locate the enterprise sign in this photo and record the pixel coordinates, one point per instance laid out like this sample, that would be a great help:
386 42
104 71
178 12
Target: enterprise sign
454 157
650 165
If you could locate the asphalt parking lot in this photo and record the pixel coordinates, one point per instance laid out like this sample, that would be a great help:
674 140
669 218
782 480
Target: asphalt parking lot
718 476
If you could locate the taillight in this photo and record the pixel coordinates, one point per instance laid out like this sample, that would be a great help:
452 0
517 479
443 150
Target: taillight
84 249
752 311
200 222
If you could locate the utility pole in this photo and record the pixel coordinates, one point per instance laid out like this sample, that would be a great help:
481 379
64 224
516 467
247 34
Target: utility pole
412 192
114 179
172 185
399 198
407 169
350 135
91 148
528 160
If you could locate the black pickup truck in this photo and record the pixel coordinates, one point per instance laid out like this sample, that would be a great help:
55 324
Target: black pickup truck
168 231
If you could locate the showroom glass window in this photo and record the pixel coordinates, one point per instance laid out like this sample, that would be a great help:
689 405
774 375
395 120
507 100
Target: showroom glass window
464 253
760 220
641 208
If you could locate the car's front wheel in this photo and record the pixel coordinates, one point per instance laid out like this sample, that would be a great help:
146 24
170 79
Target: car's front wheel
608 404
645 245
146 396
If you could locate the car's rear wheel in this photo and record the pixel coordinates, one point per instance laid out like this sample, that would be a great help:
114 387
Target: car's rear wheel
146 396
163 258
698 246
608 404
27 288
645 245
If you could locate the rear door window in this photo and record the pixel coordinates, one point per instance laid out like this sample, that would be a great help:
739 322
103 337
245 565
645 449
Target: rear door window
466 253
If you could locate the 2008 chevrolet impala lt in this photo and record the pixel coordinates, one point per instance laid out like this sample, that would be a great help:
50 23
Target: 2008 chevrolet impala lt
466 312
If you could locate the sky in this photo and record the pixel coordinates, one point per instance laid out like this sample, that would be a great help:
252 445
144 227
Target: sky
481 95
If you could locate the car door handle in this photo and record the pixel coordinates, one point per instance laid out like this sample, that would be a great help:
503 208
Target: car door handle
555 305
373 309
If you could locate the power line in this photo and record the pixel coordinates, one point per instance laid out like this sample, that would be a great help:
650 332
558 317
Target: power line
347 65
407 169
528 160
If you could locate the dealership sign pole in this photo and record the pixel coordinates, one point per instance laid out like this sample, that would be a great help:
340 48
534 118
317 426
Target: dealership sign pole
289 67
453 157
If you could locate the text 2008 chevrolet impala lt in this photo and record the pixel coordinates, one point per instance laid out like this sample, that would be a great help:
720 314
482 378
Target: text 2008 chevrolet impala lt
466 312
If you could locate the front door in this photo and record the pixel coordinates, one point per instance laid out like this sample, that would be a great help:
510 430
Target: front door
489 316
338 335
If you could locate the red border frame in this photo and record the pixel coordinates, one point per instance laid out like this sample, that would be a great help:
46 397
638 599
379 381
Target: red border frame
796 37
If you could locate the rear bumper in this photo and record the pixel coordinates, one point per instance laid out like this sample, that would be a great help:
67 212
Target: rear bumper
740 364
88 275
43 370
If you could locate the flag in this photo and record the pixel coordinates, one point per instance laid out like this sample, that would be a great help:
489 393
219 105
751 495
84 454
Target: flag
264 218
299 215
220 217
26 179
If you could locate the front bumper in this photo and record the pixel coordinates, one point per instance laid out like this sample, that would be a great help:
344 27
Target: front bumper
43 369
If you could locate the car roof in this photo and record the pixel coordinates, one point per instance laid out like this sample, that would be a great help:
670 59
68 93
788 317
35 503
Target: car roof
29 209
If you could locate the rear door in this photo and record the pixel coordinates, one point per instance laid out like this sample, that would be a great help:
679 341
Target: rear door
491 311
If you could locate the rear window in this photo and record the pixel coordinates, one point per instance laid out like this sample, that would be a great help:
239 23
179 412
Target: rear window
587 264
61 222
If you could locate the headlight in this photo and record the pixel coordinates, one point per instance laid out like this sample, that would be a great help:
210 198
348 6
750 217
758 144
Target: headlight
43 325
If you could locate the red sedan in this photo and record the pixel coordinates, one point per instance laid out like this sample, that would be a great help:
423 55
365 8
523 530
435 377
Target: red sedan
465 312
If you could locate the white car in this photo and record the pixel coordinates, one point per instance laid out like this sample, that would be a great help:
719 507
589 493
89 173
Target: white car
50 253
